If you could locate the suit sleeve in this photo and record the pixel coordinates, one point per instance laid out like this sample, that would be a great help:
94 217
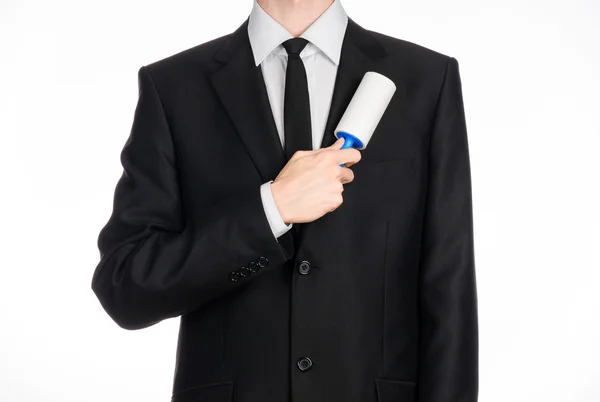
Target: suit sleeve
448 347
156 263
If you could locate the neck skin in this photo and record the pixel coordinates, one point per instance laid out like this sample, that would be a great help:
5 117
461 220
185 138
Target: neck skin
295 15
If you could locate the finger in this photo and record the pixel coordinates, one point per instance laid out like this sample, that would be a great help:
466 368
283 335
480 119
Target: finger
348 155
347 175
337 144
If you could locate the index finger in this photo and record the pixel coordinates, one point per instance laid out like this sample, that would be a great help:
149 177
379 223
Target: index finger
348 156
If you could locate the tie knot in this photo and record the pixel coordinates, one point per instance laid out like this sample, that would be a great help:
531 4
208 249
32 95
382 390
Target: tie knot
294 46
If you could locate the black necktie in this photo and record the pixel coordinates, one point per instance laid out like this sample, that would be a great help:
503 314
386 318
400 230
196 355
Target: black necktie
296 104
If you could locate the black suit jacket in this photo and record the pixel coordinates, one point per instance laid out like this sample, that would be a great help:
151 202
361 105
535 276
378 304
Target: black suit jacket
384 307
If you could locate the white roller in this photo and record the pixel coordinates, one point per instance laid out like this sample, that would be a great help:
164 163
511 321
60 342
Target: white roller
366 107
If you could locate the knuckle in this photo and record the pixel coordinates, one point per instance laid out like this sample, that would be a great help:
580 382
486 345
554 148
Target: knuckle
321 157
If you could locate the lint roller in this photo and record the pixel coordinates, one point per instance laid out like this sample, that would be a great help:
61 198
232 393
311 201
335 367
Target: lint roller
364 111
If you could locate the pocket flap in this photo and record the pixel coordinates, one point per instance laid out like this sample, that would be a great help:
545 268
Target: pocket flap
395 390
217 392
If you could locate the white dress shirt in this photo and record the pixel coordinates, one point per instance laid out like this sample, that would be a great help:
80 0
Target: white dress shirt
321 57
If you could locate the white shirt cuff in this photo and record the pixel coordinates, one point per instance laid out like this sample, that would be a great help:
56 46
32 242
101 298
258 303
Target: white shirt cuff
278 226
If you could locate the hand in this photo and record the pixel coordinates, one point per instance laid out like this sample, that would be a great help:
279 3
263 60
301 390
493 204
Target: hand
311 183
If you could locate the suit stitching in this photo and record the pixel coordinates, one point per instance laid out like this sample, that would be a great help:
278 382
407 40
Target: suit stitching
224 327
430 135
162 105
385 269
166 122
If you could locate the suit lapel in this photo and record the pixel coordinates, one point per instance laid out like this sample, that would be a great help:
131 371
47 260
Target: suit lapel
241 88
360 51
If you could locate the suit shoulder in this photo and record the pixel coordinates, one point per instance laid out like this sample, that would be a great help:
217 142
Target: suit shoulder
199 57
420 70
410 51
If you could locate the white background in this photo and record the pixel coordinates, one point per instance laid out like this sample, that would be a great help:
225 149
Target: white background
68 89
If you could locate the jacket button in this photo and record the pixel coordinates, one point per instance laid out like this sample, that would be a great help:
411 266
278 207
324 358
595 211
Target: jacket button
244 272
234 276
253 267
304 363
304 267
263 262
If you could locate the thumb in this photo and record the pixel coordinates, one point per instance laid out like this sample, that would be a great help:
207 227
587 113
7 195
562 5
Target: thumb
338 144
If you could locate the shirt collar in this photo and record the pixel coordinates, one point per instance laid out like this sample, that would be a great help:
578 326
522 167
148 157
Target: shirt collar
327 32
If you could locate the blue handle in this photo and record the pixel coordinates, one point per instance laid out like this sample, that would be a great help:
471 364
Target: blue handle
350 141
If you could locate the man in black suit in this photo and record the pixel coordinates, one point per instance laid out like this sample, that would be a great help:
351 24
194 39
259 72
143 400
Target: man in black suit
230 215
